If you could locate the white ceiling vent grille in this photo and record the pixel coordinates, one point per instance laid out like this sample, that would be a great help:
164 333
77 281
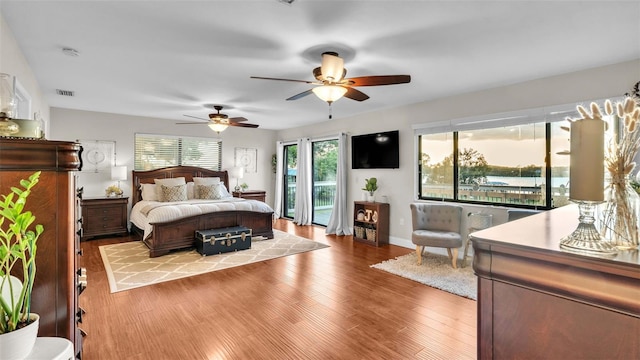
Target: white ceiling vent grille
64 92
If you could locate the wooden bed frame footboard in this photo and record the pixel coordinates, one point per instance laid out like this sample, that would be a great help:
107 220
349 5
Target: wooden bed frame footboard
179 234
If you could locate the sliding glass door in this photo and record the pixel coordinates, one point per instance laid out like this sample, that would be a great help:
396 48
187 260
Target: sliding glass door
325 165
289 183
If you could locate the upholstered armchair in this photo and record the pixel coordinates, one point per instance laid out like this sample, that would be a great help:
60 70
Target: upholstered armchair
436 225
515 214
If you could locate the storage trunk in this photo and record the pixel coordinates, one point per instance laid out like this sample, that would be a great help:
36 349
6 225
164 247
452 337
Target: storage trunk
217 241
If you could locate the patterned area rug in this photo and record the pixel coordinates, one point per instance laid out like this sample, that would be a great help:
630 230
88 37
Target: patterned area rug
129 266
435 271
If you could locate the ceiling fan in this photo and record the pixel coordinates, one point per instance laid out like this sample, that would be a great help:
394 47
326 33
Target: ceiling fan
330 77
219 122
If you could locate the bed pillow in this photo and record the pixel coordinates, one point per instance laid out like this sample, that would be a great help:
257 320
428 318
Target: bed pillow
224 193
174 193
168 182
210 192
149 192
191 190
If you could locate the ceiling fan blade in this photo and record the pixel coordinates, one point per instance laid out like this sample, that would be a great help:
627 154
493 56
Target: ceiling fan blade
355 94
378 80
195 117
237 119
301 95
192 123
243 125
278 79
332 67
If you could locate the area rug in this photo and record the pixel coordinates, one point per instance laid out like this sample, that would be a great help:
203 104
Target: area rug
435 271
129 266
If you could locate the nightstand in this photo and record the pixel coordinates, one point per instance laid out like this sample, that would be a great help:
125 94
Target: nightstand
259 195
104 216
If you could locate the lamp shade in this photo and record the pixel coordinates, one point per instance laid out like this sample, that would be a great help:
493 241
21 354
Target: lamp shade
217 127
329 93
119 173
237 172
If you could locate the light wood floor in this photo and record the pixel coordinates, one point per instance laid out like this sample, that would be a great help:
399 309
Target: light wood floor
323 304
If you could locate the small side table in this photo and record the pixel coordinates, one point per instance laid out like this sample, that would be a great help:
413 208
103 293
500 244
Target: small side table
259 195
54 348
477 221
104 216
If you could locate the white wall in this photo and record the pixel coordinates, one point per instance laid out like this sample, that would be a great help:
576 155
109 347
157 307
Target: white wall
74 125
12 62
399 185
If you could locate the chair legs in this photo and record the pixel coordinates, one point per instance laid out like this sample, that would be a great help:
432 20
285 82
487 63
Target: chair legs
453 255
419 250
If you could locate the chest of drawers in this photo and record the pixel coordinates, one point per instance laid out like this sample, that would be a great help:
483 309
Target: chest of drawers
104 216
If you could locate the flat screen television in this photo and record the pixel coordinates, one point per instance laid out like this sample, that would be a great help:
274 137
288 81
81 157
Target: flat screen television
375 151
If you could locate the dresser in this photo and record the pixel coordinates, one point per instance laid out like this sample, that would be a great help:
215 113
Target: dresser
536 301
259 195
104 216
53 201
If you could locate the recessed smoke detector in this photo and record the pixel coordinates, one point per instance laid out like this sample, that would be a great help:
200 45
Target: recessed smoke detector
70 52
288 2
65 92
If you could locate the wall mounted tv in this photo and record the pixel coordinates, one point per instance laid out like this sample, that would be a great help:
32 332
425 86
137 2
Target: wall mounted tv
375 151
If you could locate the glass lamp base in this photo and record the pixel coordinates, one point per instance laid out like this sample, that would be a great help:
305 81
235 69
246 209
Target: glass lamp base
586 238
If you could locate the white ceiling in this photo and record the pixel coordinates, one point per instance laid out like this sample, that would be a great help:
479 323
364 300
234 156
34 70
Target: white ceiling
164 59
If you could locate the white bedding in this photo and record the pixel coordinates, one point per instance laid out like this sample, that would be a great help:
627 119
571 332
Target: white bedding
166 211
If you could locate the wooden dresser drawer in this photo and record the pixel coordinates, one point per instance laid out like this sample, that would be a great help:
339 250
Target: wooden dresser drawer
104 216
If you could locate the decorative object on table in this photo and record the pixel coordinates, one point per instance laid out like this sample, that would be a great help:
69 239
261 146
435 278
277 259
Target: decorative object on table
360 216
18 240
237 173
370 186
246 158
619 221
97 155
117 173
586 181
8 127
113 190
244 186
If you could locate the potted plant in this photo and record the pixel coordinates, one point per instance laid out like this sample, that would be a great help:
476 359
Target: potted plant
244 186
18 238
371 185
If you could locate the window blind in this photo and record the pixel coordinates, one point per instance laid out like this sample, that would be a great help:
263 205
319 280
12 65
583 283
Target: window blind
158 151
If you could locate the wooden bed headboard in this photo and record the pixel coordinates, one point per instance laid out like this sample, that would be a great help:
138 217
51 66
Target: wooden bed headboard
189 172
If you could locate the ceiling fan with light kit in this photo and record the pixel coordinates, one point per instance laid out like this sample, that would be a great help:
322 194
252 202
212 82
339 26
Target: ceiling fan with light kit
332 84
218 122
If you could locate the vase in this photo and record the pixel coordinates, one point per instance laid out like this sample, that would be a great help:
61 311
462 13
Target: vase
619 219
371 197
18 344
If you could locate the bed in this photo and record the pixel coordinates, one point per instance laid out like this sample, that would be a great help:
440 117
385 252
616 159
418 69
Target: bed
176 234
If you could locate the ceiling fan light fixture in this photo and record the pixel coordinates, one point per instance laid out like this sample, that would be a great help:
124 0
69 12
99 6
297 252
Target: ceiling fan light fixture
329 93
332 67
218 127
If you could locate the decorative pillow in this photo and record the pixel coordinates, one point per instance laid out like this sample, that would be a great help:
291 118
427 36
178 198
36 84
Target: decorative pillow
167 182
211 192
149 192
174 193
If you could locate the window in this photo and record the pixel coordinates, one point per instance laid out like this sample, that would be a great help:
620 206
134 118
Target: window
513 159
158 151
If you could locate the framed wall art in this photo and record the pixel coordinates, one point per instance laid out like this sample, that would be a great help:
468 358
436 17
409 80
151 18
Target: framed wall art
98 155
247 159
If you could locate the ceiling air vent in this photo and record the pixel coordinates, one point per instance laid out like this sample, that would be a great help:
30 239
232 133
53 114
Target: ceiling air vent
64 92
